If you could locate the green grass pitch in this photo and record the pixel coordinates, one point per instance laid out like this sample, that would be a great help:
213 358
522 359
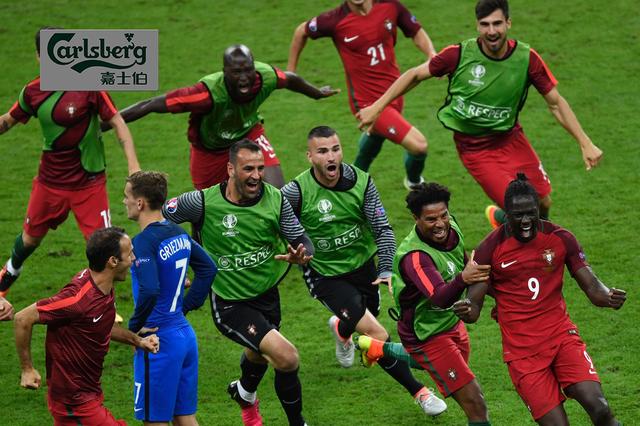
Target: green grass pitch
592 49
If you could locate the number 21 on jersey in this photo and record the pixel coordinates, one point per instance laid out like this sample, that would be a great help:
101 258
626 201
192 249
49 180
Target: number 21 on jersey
377 54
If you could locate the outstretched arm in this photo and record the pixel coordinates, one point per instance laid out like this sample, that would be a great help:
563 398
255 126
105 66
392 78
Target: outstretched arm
140 109
6 122
424 43
298 84
563 113
298 42
126 141
407 81
598 293
24 321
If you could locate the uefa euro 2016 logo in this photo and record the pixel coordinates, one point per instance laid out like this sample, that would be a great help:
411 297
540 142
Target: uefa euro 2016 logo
100 59
230 221
324 206
477 71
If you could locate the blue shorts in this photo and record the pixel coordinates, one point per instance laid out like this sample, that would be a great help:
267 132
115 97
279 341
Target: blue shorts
166 383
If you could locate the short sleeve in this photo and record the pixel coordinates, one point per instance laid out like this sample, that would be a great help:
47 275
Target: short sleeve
106 107
575 258
539 74
63 307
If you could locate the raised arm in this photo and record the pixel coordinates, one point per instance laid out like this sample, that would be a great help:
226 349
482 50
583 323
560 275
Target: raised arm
298 42
23 324
126 141
139 110
424 44
407 81
561 110
295 83
598 293
6 122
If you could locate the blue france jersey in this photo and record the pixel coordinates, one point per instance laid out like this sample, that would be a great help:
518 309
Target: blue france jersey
158 274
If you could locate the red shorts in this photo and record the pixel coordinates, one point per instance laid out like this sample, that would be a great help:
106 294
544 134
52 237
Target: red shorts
493 169
91 413
445 356
539 379
49 207
209 168
392 125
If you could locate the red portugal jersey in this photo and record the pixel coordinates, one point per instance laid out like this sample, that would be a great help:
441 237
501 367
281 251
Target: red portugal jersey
526 281
79 320
366 46
65 120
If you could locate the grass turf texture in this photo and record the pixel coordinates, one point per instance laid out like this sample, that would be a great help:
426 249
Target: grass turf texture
589 49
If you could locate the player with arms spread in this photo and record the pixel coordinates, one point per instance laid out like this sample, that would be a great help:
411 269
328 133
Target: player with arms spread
71 175
365 34
223 109
542 348
80 325
245 225
489 77
166 384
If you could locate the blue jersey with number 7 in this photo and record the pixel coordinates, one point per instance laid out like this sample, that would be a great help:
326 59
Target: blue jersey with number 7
164 252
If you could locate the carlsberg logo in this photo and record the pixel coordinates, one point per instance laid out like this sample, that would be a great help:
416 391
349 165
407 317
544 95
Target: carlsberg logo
98 59
65 49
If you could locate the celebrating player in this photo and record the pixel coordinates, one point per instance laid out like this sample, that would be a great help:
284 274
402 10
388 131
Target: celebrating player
244 224
489 79
365 33
224 109
430 272
166 384
80 324
340 208
71 176
542 348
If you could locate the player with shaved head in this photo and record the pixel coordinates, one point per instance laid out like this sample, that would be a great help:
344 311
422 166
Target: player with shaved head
223 109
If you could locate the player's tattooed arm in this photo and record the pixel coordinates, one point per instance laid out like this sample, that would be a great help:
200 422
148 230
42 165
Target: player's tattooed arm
139 110
598 293
6 122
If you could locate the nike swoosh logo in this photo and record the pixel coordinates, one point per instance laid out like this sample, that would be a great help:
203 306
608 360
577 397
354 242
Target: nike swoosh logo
350 39
506 265
137 409
97 319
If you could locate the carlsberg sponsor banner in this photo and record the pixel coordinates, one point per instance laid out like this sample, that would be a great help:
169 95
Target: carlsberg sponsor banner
99 59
